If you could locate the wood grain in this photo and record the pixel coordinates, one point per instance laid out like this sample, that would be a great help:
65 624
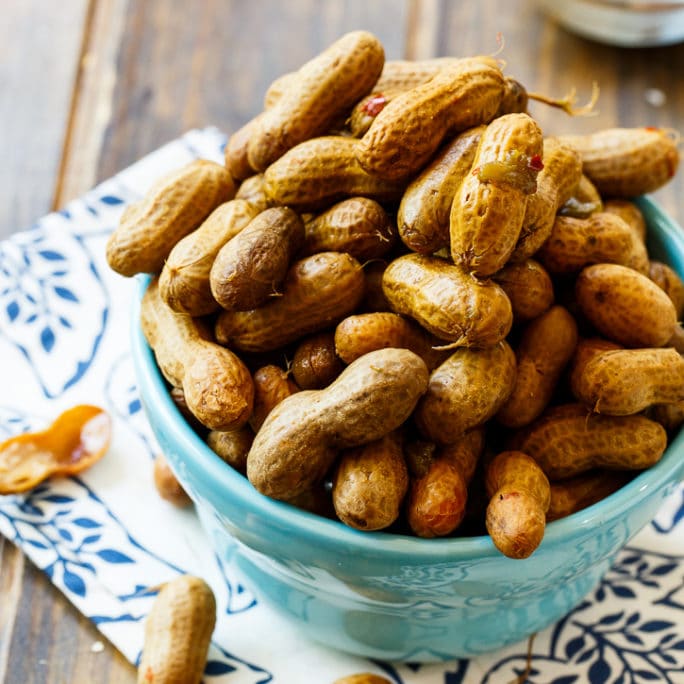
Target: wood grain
152 69
39 45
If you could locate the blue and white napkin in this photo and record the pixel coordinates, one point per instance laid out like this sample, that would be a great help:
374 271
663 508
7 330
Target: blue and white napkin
103 538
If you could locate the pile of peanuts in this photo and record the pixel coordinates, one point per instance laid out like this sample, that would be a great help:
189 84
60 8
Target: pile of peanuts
400 305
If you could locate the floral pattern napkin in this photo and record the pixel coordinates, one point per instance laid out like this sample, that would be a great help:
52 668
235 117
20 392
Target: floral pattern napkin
105 537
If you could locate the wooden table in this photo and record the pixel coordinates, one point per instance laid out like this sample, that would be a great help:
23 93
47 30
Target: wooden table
89 86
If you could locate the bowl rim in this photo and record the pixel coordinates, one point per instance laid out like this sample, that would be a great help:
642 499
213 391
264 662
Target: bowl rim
205 464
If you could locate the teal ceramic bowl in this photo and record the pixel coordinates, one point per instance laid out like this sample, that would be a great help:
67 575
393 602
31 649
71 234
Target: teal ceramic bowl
396 597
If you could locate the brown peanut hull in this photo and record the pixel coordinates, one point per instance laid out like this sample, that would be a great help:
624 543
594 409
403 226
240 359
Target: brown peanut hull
423 217
566 445
447 301
370 483
324 87
300 439
174 207
406 133
466 391
184 283
251 266
627 162
625 306
217 386
318 291
626 381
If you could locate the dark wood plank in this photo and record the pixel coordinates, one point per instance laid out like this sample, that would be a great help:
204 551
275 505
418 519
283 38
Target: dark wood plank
182 67
93 100
43 638
39 47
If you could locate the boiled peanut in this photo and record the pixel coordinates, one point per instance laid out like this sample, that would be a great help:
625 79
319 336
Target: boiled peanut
584 201
670 416
626 381
528 287
178 397
370 483
626 162
167 484
362 678
173 207
625 306
555 185
232 446
419 454
438 497
576 493
217 385
178 631
600 238
358 226
252 190
409 129
547 344
315 363
568 442
448 302
668 280
397 77
236 158
465 391
365 110
677 339
324 170
184 280
374 300
325 87
358 334
488 210
423 218
318 291
629 213
585 351
300 439
519 495
251 266
271 385
514 98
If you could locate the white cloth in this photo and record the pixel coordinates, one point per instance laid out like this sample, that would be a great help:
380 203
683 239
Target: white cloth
105 536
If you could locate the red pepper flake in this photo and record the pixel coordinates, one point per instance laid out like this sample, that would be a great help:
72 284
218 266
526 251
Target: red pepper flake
651 128
536 162
374 105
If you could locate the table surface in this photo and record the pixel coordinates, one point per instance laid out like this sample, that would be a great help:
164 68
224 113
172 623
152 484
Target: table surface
89 86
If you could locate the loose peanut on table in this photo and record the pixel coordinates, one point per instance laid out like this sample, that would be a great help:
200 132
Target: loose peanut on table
178 631
167 483
344 296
